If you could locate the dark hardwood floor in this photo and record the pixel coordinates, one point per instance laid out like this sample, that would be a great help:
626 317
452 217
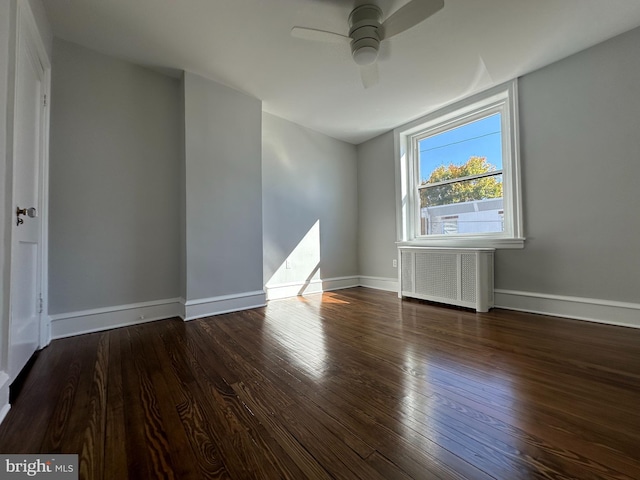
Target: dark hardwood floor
352 384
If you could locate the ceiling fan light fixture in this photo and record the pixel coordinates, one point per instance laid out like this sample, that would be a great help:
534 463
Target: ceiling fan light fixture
365 50
365 55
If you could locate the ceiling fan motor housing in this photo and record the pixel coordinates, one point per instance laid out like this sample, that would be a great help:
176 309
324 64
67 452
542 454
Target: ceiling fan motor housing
364 30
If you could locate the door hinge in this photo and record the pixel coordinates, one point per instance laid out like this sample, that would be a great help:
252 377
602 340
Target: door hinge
44 101
40 304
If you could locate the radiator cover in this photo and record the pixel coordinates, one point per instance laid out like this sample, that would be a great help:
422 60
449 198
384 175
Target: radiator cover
457 276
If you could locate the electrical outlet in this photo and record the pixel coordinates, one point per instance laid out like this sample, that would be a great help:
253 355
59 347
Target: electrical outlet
395 263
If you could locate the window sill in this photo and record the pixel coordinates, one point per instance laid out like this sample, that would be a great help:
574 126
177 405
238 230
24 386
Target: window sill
467 242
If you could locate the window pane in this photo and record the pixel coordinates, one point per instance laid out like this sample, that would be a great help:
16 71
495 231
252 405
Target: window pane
469 206
448 154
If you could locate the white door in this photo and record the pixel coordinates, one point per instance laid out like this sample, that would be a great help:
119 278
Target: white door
27 232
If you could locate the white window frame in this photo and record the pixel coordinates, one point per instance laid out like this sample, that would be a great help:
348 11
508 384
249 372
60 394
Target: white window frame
501 99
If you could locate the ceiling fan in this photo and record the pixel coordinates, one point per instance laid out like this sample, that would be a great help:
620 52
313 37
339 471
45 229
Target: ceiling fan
366 31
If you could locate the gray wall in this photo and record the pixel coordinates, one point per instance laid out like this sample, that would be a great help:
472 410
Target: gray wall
308 179
114 182
223 190
376 204
580 142
580 127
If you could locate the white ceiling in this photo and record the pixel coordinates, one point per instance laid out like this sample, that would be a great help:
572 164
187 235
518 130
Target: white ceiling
245 44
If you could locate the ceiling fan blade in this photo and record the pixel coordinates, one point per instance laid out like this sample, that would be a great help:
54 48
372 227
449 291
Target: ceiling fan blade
370 75
409 16
318 35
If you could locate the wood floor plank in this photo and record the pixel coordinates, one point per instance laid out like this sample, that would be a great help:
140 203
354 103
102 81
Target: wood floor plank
245 363
240 437
352 384
304 460
386 468
175 411
538 388
148 448
67 426
36 403
190 407
115 455
91 458
425 384
372 431
338 420
333 455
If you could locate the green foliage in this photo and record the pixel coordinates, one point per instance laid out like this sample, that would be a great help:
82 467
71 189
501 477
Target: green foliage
464 191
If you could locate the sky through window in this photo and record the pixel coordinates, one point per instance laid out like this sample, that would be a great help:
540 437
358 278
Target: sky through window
481 138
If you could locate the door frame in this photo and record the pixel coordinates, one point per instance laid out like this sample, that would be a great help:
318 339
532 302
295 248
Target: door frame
26 30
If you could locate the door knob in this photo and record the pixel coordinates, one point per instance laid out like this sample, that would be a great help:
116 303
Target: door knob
30 212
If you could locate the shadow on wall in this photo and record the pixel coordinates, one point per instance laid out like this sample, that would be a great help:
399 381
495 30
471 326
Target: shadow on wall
299 273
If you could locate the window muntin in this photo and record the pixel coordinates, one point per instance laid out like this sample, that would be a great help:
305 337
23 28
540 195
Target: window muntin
435 141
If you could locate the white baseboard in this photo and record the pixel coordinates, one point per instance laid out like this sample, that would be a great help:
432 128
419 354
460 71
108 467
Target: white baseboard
286 290
4 395
95 320
380 283
207 307
593 310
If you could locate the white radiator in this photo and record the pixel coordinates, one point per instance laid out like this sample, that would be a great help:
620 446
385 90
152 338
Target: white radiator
458 276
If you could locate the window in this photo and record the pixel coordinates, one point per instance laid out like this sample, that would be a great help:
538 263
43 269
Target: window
458 174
